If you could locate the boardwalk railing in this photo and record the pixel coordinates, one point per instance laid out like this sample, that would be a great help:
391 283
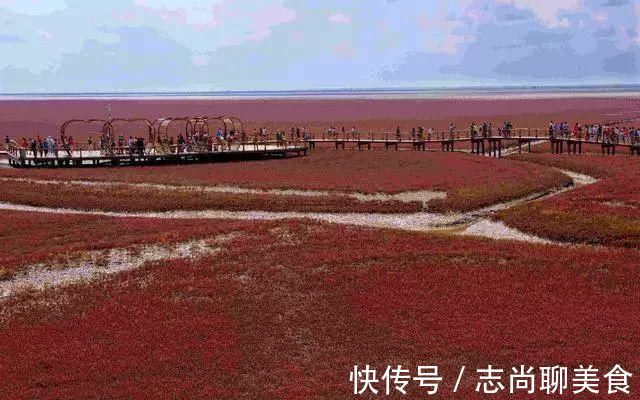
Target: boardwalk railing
79 153
496 140
386 136
438 136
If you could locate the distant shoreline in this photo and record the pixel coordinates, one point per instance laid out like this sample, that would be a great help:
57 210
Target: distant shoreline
488 93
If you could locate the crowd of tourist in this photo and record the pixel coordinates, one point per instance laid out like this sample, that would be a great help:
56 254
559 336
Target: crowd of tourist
335 133
200 141
595 133
44 148
421 133
296 135
220 140
120 146
561 130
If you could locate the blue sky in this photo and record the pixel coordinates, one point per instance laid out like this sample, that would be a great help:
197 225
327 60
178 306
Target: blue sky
210 45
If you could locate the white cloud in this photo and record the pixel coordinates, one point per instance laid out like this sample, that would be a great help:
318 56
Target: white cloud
339 18
345 50
238 20
450 44
602 17
44 34
442 34
33 7
637 38
547 11
200 60
261 22
193 12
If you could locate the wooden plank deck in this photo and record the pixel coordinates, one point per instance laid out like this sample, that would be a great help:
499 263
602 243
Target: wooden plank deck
478 144
493 145
92 158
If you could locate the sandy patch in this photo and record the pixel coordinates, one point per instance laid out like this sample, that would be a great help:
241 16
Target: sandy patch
498 230
423 196
619 204
578 178
93 265
476 221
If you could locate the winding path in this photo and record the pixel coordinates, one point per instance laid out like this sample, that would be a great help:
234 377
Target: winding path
474 223
87 268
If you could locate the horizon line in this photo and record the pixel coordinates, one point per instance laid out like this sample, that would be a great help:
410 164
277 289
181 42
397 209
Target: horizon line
399 89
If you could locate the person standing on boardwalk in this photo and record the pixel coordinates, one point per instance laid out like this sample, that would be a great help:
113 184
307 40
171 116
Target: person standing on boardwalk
180 143
256 139
34 148
66 145
45 146
39 145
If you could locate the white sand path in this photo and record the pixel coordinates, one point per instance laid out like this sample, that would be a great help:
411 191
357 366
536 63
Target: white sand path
97 264
479 224
423 196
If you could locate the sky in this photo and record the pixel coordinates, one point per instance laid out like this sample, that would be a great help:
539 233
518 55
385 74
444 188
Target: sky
72 46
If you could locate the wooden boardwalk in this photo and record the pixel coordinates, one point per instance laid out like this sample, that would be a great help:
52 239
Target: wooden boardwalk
491 145
20 157
495 146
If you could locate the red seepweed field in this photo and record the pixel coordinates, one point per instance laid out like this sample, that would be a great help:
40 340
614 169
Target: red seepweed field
606 212
469 183
176 304
33 237
286 312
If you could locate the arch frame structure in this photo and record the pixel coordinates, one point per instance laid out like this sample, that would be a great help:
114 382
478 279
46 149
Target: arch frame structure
158 131
148 124
194 125
161 127
108 125
107 128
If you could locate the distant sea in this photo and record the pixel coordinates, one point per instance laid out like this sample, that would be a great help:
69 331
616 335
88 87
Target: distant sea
489 92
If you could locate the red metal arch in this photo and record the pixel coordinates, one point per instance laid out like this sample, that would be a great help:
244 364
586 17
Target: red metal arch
197 125
161 126
231 123
235 123
193 125
132 120
159 129
107 128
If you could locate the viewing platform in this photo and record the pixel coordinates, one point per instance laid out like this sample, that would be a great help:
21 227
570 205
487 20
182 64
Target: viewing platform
492 144
20 157
196 141
201 146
